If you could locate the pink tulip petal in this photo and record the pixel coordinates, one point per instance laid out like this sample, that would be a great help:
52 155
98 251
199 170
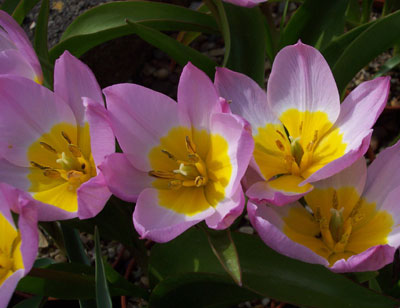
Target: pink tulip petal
12 62
246 3
342 162
261 192
160 224
269 226
28 110
247 98
372 259
237 133
21 41
227 211
139 118
301 79
8 287
197 96
123 179
74 80
102 138
92 197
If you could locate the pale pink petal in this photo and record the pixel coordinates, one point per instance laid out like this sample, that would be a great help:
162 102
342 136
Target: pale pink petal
28 110
73 80
92 197
342 162
353 176
246 3
21 41
123 179
14 175
360 110
227 211
301 79
139 118
247 98
237 133
384 178
197 96
268 224
160 224
372 259
102 138
251 177
8 287
265 192
12 62
5 42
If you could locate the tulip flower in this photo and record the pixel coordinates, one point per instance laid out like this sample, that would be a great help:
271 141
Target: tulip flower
245 3
17 56
51 145
302 134
18 247
351 220
182 162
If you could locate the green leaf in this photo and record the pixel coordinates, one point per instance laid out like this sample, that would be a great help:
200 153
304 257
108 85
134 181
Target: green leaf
72 281
334 50
365 276
188 290
353 12
33 302
9 6
73 244
22 9
224 249
40 44
108 21
103 297
388 66
316 22
248 41
180 53
264 272
377 38
115 223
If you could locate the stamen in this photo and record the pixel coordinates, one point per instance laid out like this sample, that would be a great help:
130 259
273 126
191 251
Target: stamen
200 181
301 127
280 134
52 173
280 145
336 223
66 137
190 147
314 140
74 150
48 147
335 202
161 174
36 165
169 155
175 184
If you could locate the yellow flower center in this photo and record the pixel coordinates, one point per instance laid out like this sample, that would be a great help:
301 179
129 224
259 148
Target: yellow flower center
10 253
301 145
191 169
337 223
61 162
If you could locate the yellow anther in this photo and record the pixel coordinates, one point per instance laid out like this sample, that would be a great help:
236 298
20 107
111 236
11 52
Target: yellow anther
301 127
279 145
36 165
313 142
169 155
162 174
66 137
200 181
48 147
190 147
75 151
52 173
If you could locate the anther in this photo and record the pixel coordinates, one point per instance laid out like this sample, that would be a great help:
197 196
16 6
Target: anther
199 181
335 202
36 165
301 127
47 147
170 156
280 134
190 147
74 150
279 145
52 173
175 184
66 137
314 140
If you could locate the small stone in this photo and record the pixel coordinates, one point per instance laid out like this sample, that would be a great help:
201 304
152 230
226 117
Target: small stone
145 281
162 73
217 52
60 258
246 229
32 26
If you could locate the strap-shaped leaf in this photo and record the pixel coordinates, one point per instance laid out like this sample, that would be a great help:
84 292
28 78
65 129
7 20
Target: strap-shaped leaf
103 297
108 21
